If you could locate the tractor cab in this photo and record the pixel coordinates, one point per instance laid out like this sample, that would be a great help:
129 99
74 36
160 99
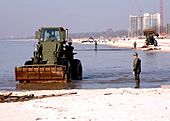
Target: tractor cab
50 47
52 34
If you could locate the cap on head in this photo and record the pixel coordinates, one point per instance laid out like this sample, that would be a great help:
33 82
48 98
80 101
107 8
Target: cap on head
135 54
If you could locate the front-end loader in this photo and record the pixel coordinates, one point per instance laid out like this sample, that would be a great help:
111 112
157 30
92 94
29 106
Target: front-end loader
150 40
53 59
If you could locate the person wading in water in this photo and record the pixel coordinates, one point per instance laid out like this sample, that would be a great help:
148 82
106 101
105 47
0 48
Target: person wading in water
137 69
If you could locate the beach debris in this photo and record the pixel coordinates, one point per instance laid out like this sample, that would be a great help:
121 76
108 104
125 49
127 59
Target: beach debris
8 98
38 119
148 49
108 93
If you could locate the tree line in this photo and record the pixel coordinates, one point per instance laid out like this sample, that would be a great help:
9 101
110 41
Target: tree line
109 33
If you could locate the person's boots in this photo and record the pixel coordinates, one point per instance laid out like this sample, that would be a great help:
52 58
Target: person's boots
137 84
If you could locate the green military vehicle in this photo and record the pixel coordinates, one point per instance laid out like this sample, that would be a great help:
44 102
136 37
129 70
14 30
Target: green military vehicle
150 40
53 59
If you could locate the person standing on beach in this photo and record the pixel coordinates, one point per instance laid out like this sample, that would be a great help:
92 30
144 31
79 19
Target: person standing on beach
134 45
95 43
136 69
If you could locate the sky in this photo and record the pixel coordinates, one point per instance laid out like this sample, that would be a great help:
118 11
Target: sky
21 18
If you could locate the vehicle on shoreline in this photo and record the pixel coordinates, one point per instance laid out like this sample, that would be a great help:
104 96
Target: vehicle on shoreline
53 59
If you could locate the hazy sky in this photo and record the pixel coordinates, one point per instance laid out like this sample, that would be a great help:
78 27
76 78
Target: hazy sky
23 17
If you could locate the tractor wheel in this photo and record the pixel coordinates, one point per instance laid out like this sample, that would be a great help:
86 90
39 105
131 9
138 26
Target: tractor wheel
76 70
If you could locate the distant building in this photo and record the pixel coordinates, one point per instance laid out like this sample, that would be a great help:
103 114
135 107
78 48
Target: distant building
151 21
140 23
168 29
136 26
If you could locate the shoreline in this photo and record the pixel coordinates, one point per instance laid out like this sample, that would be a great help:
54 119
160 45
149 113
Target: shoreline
163 44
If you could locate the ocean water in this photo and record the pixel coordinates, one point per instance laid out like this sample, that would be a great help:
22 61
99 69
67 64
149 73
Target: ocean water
107 67
13 53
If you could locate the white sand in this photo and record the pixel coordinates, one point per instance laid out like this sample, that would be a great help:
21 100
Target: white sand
92 105
163 44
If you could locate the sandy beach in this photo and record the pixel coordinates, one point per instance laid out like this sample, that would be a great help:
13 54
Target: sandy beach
163 44
124 104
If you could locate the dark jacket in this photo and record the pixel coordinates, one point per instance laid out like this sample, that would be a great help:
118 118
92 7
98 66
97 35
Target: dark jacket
137 65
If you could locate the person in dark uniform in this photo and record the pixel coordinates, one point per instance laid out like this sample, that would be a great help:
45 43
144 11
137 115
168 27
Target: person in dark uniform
134 45
95 48
39 48
37 53
69 51
137 69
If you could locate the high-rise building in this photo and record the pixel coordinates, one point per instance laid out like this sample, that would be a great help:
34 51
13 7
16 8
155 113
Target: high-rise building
136 26
168 29
140 23
151 21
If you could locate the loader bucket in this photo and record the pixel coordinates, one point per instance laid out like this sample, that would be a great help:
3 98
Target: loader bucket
41 73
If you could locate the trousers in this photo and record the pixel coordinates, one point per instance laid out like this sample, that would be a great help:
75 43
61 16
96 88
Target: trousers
137 79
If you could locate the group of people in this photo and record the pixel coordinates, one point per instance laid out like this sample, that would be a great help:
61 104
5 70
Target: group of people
136 63
67 53
69 56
